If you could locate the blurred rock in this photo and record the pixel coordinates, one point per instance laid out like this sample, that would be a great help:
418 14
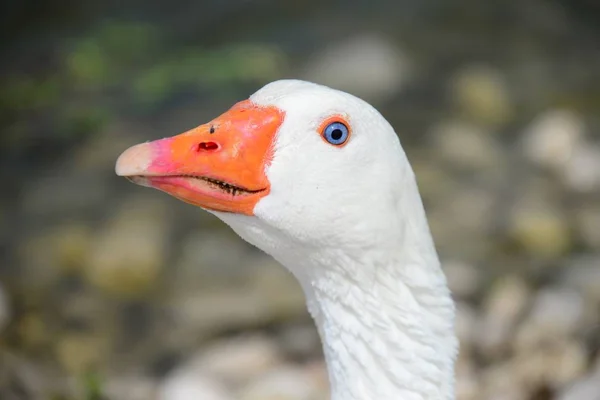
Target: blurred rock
220 283
587 388
556 313
482 94
467 382
286 383
465 325
212 258
281 292
557 309
501 382
343 67
463 279
555 365
540 227
240 360
39 260
316 370
127 257
552 138
582 170
582 274
587 218
5 313
81 352
466 146
98 155
63 191
505 304
88 308
472 208
300 340
130 388
191 384
72 245
206 313
272 295
22 379
556 140
32 331
434 179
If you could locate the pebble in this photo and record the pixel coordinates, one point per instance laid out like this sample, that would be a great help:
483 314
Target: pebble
540 227
98 154
342 66
552 138
130 388
465 325
73 242
501 382
556 313
210 312
239 360
59 191
285 383
434 179
582 274
465 145
190 384
300 340
5 312
59 249
582 171
80 352
202 261
271 295
481 93
40 264
505 304
587 220
127 258
472 208
587 388
554 365
558 309
467 381
463 279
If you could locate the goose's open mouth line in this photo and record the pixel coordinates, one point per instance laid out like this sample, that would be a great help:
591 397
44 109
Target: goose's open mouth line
212 182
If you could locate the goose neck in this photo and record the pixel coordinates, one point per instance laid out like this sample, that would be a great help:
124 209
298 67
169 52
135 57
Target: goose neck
387 326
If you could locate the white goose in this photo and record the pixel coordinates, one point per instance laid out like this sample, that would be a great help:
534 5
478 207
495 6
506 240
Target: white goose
317 178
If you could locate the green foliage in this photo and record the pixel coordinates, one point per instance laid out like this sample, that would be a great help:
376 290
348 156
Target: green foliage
103 57
196 68
25 93
122 67
77 121
92 384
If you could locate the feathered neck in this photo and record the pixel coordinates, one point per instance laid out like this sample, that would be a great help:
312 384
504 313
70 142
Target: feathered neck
386 326
382 306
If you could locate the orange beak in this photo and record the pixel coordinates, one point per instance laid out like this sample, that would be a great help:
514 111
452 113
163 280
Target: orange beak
218 166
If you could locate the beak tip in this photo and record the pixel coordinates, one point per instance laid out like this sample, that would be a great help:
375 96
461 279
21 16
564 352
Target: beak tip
134 161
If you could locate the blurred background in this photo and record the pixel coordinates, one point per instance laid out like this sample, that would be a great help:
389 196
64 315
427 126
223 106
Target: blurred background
111 291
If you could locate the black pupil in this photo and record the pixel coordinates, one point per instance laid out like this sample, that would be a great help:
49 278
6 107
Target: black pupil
337 134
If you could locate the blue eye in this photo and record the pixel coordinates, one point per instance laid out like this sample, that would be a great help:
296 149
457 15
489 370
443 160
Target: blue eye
336 133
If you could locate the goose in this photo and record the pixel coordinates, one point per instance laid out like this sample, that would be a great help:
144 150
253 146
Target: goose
317 179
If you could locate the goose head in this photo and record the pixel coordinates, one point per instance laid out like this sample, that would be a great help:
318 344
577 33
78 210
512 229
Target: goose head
317 178
298 164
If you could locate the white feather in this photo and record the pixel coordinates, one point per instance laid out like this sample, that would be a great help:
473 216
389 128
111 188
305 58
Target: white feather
349 223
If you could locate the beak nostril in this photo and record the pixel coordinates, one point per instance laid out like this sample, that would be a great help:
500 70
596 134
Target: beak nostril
207 146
